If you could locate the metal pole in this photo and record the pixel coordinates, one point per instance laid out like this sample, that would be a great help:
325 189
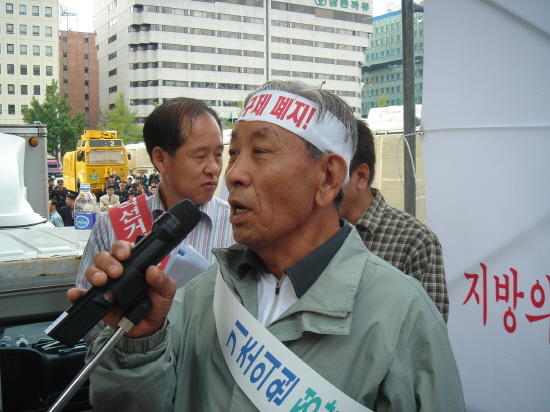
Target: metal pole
409 126
267 39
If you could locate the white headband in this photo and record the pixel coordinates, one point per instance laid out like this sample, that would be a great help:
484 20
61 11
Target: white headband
301 116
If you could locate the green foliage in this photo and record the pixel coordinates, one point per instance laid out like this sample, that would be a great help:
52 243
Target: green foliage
64 130
381 102
121 119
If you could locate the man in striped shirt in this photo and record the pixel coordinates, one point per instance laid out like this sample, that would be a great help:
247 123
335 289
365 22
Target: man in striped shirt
184 140
395 236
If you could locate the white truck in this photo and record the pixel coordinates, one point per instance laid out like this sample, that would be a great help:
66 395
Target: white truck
38 263
386 124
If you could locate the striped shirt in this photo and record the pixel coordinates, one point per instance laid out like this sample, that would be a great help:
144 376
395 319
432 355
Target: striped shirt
408 244
212 231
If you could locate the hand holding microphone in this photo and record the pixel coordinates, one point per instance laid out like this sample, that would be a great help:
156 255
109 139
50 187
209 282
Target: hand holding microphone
133 297
120 287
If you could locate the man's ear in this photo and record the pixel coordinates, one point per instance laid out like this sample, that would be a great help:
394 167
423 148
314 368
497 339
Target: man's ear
333 171
160 157
363 175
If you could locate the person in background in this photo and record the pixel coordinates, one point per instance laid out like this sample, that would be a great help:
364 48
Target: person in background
59 193
154 178
183 137
67 211
122 191
395 236
117 177
111 182
363 327
51 186
130 183
55 219
109 200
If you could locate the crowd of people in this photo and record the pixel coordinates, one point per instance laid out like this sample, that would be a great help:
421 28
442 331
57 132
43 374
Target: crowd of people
348 286
115 192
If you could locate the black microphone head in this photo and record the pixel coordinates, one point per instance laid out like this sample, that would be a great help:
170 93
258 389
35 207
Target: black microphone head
187 214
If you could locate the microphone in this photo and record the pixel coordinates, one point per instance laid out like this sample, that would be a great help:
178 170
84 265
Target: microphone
167 233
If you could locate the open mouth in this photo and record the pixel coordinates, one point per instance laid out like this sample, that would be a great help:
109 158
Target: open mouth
238 210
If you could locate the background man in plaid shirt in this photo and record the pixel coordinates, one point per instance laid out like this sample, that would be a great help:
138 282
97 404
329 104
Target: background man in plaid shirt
393 235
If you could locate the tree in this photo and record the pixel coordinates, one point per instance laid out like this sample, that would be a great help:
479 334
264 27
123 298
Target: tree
381 102
121 119
64 130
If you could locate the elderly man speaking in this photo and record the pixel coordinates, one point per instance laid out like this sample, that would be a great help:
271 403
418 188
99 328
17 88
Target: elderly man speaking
299 315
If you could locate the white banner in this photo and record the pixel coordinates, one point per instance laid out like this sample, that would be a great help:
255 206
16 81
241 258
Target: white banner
486 153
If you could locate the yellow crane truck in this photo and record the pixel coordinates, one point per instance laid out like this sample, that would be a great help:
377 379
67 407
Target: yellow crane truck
97 154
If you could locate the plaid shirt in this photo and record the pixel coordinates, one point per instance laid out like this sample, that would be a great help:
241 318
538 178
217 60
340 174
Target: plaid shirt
212 231
406 243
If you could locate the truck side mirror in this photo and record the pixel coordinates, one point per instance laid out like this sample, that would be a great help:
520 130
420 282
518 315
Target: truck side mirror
80 156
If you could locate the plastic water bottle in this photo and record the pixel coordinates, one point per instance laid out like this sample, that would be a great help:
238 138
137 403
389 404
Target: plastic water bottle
21 341
86 213
6 342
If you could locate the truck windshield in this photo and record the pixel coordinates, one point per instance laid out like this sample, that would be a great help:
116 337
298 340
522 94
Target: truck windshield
104 157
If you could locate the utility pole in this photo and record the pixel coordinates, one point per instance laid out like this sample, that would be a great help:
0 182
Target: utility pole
409 125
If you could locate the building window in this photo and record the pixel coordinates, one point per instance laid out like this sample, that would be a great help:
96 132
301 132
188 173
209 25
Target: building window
0 109
10 49
36 69
87 96
64 68
49 31
85 56
11 88
23 29
9 8
24 69
85 83
112 89
112 72
11 109
35 11
9 28
11 68
85 40
112 38
85 70
64 54
49 70
36 30
48 11
36 50
37 90
23 108
23 9
23 49
112 55
24 89
49 51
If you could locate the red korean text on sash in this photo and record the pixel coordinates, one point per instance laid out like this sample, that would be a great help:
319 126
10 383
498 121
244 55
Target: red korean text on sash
131 219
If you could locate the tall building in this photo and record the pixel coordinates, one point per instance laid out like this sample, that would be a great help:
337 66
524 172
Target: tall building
79 73
383 70
220 50
28 54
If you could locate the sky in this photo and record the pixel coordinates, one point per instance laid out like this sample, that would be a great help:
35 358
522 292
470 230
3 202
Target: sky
84 10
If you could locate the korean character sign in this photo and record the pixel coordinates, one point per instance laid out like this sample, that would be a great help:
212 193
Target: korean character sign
273 377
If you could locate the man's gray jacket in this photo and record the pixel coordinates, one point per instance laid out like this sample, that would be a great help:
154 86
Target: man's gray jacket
363 325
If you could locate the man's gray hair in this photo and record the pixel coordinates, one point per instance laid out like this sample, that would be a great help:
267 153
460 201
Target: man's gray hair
325 99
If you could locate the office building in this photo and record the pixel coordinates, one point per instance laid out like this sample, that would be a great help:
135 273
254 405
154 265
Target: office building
220 50
383 70
28 54
79 73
